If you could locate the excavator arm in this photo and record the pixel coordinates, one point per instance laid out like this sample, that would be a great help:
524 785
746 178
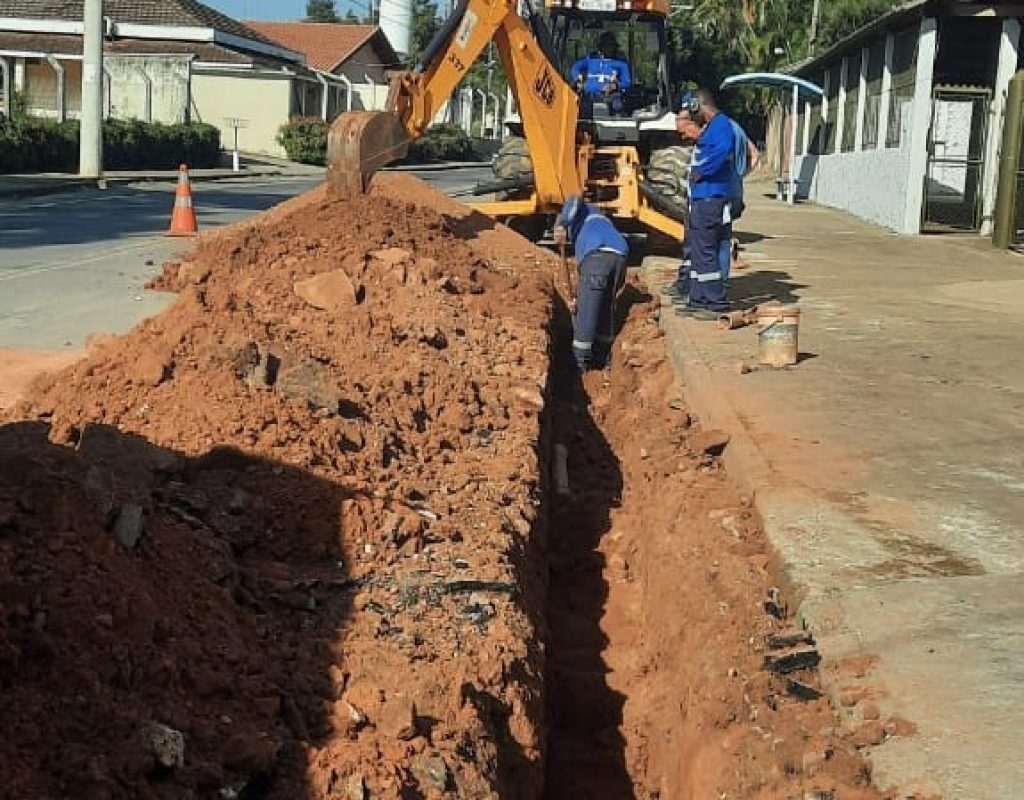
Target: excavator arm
362 142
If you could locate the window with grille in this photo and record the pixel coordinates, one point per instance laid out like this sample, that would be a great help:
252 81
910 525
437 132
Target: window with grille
852 84
873 94
832 77
904 76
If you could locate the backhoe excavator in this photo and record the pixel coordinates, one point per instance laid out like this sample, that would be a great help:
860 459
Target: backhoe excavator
624 162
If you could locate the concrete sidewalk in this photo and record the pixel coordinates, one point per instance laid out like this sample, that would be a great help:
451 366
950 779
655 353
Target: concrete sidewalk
889 469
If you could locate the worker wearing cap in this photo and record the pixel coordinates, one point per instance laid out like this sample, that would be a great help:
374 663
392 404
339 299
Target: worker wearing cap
601 257
603 74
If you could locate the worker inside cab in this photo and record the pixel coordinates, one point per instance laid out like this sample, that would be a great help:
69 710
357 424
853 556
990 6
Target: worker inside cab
603 75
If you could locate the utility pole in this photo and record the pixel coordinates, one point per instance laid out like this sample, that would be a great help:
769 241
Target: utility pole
815 17
90 156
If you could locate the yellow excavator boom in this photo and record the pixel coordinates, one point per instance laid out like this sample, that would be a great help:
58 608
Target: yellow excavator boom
360 143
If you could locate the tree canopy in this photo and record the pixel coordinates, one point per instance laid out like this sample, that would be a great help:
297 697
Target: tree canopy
321 11
718 38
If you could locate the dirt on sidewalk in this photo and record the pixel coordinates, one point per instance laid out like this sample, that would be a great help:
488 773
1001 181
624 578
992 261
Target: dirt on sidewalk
298 537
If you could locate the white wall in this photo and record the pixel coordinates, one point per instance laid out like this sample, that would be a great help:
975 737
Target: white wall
169 76
41 87
367 97
263 101
872 184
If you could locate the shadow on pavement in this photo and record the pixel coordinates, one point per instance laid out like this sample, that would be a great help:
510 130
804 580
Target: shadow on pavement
98 216
762 286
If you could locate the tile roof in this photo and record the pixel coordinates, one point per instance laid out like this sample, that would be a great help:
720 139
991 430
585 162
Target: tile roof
68 44
172 13
327 45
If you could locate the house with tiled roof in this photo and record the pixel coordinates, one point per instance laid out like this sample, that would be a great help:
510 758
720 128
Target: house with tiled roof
359 55
164 61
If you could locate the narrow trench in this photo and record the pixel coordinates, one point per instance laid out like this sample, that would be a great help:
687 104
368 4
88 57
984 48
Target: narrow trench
585 747
662 613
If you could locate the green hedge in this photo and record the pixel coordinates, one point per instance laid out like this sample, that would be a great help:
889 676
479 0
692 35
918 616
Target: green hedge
304 139
442 142
41 145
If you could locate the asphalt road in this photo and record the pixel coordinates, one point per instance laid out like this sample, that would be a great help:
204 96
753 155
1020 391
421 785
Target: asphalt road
76 264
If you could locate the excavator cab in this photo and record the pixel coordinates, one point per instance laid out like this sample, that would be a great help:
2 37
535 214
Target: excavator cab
640 105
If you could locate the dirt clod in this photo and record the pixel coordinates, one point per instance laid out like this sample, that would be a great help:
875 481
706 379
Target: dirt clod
128 527
166 744
329 291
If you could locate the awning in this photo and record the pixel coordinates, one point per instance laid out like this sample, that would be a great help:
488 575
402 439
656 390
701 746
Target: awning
777 80
799 88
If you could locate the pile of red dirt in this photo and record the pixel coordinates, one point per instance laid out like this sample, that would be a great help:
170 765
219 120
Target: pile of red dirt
283 539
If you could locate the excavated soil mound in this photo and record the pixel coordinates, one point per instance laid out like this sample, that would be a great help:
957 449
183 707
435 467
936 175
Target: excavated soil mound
281 540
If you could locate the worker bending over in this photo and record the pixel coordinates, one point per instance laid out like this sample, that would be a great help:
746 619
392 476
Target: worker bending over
601 258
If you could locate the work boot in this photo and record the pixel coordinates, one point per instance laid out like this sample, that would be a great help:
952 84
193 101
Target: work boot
674 293
702 313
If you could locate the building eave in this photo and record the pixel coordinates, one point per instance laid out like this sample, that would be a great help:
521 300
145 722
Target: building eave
163 32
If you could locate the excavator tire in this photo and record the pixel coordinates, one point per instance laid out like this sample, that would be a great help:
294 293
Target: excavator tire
513 159
668 174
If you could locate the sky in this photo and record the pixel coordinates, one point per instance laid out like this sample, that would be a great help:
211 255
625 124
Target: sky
275 9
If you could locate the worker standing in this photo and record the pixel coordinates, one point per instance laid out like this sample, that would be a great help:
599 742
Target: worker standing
745 159
711 185
601 257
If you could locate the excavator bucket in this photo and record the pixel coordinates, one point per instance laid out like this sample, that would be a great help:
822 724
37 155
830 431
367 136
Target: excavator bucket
359 144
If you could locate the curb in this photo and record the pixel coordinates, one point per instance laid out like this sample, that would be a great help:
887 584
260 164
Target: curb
748 465
437 167
54 187
751 469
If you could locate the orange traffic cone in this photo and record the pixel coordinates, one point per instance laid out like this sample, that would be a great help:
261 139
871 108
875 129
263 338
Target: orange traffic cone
183 220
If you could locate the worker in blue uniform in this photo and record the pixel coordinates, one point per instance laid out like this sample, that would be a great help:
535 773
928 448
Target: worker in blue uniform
711 187
601 258
604 74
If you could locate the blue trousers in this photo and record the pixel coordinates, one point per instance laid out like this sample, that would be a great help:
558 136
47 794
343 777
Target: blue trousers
684 274
593 332
708 238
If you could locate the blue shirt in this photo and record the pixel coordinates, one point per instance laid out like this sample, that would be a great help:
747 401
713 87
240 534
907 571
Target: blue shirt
713 160
600 72
593 231
739 160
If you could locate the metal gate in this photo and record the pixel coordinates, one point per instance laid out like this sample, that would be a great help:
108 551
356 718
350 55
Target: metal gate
1017 234
956 159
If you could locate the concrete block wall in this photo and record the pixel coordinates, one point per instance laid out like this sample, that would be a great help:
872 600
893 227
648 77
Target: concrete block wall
870 183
